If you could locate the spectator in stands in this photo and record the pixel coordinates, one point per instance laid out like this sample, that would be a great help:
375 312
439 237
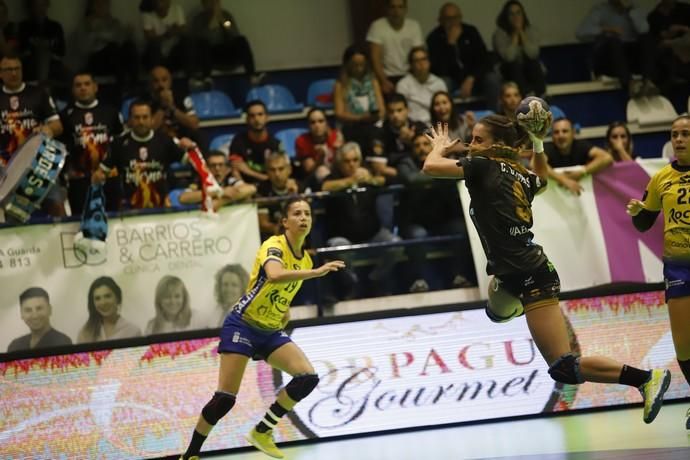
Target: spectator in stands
566 151
35 310
517 44
9 35
419 85
42 44
173 112
105 321
107 45
25 110
669 26
165 33
459 56
230 282
142 157
619 31
216 32
444 111
280 184
619 142
89 130
510 99
316 148
390 40
173 312
352 217
234 189
357 98
249 149
430 207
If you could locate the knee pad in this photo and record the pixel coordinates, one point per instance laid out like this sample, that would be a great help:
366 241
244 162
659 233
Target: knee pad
566 369
217 407
503 306
301 385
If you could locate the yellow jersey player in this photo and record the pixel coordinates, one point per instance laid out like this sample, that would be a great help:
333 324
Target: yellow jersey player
669 191
255 329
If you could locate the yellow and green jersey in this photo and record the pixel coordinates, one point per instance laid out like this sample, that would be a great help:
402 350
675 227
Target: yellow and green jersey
669 190
265 304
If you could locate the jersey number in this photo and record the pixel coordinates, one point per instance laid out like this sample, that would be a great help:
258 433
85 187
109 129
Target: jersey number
291 287
682 198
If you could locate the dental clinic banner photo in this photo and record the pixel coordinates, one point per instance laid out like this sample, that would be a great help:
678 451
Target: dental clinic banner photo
590 238
177 256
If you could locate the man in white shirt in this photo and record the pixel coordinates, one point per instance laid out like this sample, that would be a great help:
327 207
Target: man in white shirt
390 39
419 85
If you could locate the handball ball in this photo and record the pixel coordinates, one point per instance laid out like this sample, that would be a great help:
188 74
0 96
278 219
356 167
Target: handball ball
533 113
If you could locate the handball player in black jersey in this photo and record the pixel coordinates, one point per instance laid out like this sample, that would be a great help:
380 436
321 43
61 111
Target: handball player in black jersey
523 280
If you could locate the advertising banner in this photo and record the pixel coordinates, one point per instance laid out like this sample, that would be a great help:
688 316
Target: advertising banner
421 370
590 238
149 258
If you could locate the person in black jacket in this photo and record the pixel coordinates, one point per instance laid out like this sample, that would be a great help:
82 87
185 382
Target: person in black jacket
459 56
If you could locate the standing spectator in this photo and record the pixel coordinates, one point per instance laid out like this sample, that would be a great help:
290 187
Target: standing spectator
142 157
390 40
459 56
517 44
510 99
249 149
216 32
172 305
279 184
619 142
234 189
105 321
419 85
316 148
9 32
430 207
35 310
164 30
443 111
357 98
173 112
107 45
24 110
89 130
619 31
566 151
669 26
42 43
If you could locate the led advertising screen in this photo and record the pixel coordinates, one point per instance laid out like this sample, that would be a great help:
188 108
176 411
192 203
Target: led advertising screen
420 370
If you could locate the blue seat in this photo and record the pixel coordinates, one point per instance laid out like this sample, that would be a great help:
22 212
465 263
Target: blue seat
479 114
60 105
287 137
124 110
557 112
214 104
320 93
174 197
276 97
222 143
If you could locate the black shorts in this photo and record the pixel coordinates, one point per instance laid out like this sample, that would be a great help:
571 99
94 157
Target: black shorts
534 288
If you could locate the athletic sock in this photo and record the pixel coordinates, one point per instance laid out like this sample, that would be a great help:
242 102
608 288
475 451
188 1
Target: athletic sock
685 367
633 376
194 445
272 417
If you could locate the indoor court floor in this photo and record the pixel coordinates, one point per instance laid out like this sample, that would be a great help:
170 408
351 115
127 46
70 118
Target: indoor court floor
608 435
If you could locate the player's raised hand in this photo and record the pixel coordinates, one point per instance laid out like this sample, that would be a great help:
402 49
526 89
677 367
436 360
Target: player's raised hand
634 207
439 137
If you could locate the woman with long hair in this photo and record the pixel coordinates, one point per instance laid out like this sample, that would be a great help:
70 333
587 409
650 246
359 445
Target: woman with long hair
523 280
668 192
229 285
105 321
442 110
256 329
619 142
173 312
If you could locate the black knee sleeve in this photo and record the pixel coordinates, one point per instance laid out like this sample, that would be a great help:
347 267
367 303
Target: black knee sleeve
566 369
301 385
217 407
